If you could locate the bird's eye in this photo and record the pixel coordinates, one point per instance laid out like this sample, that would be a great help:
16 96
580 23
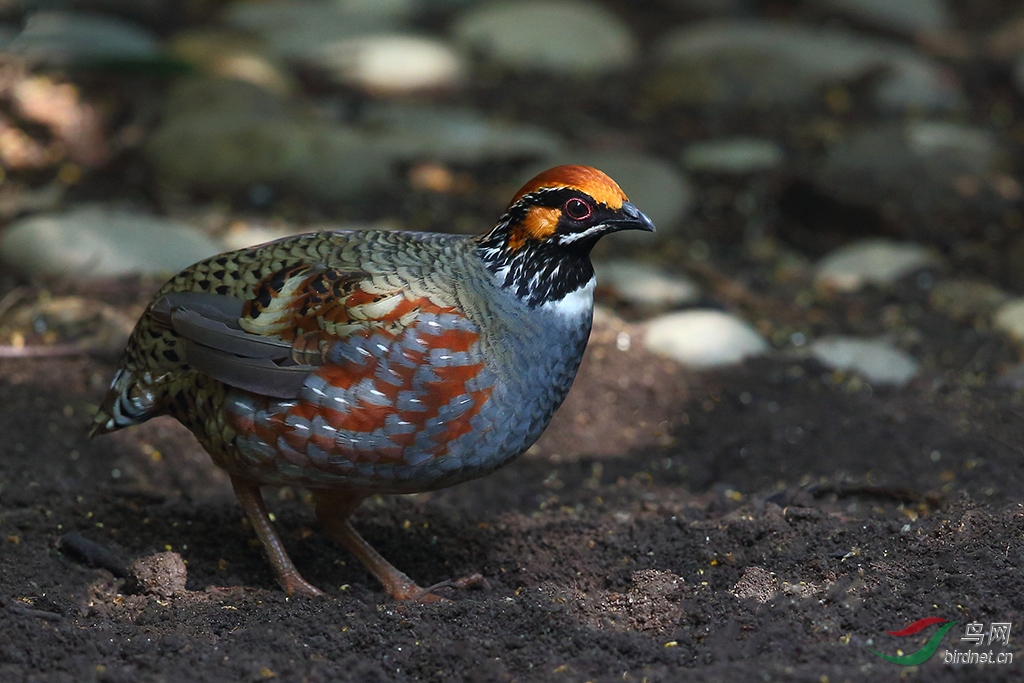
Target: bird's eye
577 209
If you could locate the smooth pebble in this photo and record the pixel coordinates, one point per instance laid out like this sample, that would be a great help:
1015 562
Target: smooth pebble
908 17
303 30
913 164
231 57
703 338
645 286
772 63
875 360
962 298
231 149
733 155
570 37
71 37
94 241
421 132
392 63
872 262
1009 318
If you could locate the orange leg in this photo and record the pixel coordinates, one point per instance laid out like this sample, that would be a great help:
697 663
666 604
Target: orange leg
334 509
256 509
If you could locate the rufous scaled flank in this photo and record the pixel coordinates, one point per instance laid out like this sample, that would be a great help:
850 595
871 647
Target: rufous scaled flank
370 362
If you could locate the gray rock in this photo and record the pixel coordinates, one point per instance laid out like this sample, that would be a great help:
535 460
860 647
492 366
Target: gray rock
909 17
711 7
1018 74
232 150
391 63
973 149
342 162
913 166
645 286
303 30
228 135
703 338
69 37
965 299
7 34
872 262
409 132
192 95
572 37
1009 318
91 241
771 63
734 156
875 360
1012 378
230 55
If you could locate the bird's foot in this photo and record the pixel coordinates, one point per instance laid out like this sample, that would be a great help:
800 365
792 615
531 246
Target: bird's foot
427 595
296 586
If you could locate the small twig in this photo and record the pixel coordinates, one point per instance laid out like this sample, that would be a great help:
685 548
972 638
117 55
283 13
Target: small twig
20 608
729 289
901 494
45 351
475 580
92 553
11 299
12 515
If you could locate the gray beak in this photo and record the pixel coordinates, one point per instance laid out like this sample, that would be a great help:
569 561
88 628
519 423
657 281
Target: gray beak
630 218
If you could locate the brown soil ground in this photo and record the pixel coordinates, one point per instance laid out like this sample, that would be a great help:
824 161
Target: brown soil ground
768 522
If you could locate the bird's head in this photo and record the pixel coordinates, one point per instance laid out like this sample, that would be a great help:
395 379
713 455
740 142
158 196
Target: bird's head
540 247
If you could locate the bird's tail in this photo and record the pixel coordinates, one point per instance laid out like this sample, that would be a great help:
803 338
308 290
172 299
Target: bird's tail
130 400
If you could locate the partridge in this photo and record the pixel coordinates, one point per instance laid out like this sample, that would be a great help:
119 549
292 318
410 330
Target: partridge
370 362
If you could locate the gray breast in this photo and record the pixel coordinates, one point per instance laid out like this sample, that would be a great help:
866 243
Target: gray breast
534 355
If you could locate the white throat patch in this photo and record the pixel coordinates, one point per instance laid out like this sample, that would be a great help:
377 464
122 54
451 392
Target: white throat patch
574 305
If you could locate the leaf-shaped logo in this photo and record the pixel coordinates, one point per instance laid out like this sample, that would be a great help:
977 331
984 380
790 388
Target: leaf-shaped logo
929 648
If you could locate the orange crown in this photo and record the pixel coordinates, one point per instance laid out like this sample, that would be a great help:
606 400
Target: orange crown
583 178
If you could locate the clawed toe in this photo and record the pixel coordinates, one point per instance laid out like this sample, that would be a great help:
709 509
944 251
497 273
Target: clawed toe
474 580
298 587
427 595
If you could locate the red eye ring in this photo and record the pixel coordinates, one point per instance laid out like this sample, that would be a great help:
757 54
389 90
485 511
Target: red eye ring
577 209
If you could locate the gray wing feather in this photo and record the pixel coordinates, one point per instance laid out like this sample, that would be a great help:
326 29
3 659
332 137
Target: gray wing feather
198 329
217 346
258 375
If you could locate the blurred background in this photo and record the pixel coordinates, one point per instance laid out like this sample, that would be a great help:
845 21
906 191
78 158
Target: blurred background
791 152
799 147
798 424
